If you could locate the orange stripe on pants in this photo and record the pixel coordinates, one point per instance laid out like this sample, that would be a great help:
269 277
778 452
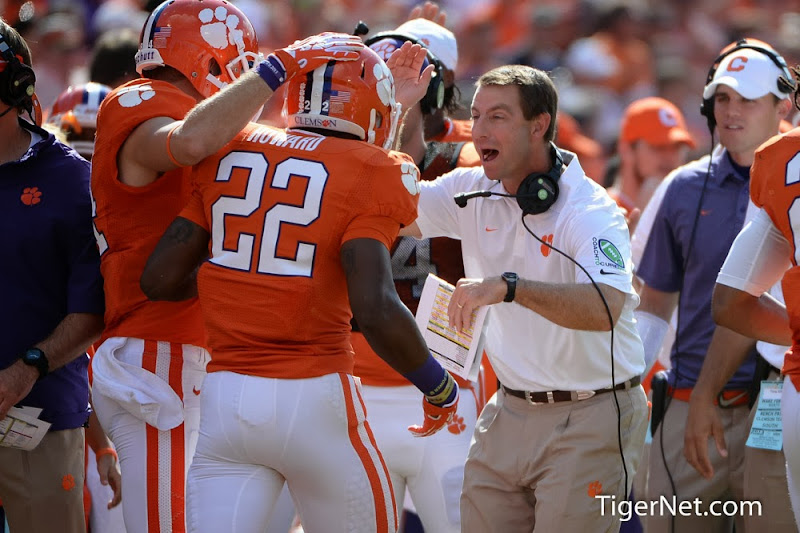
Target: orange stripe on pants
379 498
153 526
177 449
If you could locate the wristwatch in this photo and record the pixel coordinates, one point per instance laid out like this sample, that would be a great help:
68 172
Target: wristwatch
36 358
511 282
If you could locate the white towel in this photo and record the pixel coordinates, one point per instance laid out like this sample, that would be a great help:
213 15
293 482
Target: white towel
139 391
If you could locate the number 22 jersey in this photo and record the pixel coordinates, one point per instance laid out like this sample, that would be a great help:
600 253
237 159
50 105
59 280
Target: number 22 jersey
278 206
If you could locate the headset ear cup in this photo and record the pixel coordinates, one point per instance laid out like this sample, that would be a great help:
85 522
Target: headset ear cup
19 86
434 96
707 110
537 193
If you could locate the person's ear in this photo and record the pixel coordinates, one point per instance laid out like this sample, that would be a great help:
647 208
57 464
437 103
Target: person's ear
539 125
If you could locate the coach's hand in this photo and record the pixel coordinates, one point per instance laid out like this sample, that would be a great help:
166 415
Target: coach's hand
470 294
436 417
702 423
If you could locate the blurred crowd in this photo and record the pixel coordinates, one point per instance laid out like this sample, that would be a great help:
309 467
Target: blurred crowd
603 54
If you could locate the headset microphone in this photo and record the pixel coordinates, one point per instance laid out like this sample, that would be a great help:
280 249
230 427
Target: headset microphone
462 197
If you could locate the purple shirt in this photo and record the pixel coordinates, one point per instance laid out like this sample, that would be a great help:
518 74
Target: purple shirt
662 266
50 267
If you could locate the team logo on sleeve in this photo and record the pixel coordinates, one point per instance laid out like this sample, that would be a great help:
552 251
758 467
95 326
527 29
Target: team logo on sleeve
410 178
133 96
606 254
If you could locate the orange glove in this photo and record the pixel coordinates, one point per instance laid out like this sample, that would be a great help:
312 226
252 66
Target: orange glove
306 55
436 417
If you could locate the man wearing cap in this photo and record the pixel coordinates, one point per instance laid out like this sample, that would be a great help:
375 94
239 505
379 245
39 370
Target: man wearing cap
442 44
653 141
702 210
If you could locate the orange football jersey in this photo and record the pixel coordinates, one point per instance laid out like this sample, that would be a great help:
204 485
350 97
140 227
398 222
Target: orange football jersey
775 187
412 260
278 206
129 221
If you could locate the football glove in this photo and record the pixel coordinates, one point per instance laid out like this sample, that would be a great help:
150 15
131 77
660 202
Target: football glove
306 55
436 417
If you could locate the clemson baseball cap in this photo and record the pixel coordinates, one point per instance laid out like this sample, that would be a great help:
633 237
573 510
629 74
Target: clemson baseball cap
656 121
438 39
750 73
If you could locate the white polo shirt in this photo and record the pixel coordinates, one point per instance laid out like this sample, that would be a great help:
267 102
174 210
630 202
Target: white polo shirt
527 351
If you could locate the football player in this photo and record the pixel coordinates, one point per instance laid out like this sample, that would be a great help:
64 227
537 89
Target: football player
764 252
150 365
298 224
431 469
75 114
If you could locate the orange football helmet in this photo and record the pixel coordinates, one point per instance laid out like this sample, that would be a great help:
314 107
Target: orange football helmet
355 97
211 42
75 113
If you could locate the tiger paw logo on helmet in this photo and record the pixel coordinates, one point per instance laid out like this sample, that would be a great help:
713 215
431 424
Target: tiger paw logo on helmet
222 32
384 84
210 42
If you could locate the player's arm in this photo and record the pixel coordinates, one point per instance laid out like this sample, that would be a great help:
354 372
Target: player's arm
162 144
760 317
391 331
758 258
106 458
171 270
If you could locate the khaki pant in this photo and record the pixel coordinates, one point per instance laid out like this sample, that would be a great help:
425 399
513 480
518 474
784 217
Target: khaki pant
42 489
726 484
541 468
765 481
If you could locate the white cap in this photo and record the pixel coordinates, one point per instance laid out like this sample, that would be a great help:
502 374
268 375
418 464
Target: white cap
750 73
438 39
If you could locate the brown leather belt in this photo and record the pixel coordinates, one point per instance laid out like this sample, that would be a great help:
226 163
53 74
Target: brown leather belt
567 396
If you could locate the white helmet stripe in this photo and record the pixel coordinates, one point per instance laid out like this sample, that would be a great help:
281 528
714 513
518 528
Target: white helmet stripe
317 89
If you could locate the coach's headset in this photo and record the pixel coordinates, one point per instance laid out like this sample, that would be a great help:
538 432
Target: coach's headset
786 84
434 96
17 80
